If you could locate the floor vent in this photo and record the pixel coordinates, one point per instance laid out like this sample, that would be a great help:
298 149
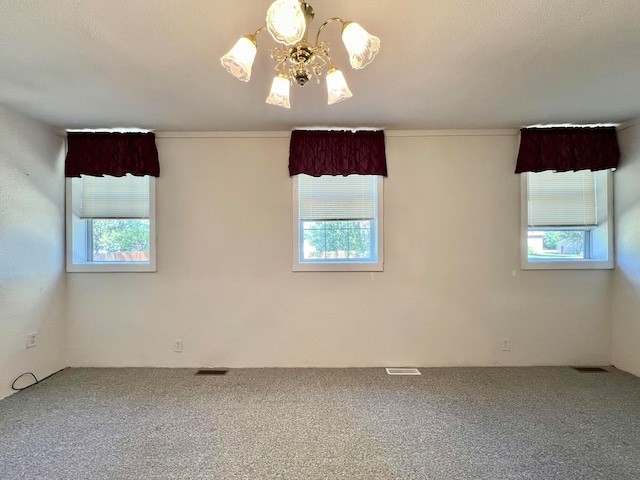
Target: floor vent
212 371
403 371
591 369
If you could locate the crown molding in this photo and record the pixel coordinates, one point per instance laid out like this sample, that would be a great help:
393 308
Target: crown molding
628 124
388 133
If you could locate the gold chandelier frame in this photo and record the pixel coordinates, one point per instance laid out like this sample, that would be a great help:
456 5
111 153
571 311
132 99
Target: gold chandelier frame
298 61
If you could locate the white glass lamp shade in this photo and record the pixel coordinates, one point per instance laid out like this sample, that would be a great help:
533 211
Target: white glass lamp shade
279 95
337 89
286 22
361 45
239 59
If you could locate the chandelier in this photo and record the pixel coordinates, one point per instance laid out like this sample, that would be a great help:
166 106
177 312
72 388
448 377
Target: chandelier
298 61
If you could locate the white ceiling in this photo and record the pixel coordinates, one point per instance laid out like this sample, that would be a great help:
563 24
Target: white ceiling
452 64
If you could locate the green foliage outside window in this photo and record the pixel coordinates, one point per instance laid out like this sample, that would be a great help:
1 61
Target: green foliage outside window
340 239
572 239
120 235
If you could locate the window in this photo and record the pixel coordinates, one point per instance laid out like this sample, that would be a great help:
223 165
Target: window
337 223
567 220
111 224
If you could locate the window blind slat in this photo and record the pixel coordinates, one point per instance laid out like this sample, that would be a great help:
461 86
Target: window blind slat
557 199
337 198
114 197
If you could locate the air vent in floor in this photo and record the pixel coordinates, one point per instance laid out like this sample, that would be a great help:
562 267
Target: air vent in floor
212 371
403 371
591 369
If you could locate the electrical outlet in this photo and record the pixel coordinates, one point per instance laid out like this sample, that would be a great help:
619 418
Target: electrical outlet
32 340
506 344
177 346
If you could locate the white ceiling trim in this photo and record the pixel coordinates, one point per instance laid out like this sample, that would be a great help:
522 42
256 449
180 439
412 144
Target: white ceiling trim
628 124
387 133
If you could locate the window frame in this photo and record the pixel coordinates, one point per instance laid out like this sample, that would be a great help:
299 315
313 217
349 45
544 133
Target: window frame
340 265
605 226
76 234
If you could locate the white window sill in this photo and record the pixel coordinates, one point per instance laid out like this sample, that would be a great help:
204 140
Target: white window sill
110 267
338 267
568 265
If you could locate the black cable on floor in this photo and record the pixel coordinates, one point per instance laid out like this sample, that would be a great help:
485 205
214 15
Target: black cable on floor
13 385
34 377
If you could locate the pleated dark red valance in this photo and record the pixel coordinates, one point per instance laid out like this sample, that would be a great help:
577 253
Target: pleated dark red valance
115 154
333 152
567 148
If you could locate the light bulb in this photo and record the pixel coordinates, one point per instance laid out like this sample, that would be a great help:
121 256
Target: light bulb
337 89
239 59
360 44
279 95
286 22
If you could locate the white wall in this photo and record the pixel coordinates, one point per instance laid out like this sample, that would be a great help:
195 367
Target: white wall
32 286
450 291
626 280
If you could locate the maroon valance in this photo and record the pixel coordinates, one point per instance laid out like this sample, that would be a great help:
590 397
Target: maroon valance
115 154
320 152
567 148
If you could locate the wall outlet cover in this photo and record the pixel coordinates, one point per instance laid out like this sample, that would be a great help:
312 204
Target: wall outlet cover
32 340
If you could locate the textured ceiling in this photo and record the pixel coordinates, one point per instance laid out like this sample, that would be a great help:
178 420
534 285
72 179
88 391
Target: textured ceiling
443 64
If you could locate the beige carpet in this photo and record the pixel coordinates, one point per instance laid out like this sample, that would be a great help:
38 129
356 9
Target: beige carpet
448 423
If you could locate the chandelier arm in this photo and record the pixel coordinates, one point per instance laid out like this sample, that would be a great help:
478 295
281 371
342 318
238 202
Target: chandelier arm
280 57
261 29
325 53
280 65
333 19
252 36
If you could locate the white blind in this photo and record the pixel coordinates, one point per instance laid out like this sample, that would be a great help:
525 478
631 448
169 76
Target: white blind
114 197
337 198
562 199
